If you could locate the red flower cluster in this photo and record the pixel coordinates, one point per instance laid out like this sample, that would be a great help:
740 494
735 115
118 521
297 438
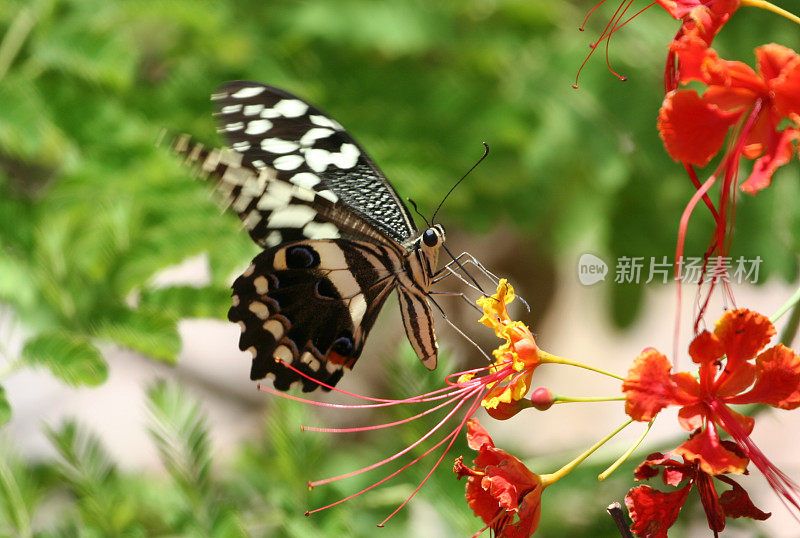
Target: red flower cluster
500 489
751 105
734 368
653 512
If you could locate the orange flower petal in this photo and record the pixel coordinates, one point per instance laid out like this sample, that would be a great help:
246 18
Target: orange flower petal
706 347
743 333
691 417
780 67
692 129
710 501
706 450
778 153
653 512
741 379
777 380
736 502
477 436
772 59
648 388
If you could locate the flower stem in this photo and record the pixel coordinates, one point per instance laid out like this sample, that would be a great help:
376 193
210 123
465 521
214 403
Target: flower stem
602 476
548 479
568 399
763 4
544 356
785 307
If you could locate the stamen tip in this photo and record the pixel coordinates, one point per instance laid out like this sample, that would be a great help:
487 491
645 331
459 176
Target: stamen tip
574 86
310 487
307 513
623 78
581 29
380 525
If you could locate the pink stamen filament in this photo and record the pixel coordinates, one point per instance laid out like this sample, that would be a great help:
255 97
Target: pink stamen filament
386 401
583 26
452 435
387 424
606 34
397 454
608 40
599 39
787 489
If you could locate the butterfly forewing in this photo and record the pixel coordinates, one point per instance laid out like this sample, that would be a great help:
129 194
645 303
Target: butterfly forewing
337 238
273 129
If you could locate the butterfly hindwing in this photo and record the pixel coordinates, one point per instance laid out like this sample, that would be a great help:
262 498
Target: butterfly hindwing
310 304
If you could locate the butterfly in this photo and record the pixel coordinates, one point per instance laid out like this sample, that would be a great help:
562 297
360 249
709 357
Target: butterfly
337 238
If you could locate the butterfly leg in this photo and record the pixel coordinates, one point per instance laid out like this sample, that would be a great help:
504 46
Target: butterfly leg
462 260
469 301
458 329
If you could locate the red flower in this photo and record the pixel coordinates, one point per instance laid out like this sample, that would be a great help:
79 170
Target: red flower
694 127
653 512
500 489
727 375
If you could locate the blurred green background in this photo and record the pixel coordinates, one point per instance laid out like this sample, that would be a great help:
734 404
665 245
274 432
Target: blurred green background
91 210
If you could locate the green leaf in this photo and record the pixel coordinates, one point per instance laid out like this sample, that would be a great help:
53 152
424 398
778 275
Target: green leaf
15 494
5 407
70 357
179 430
146 330
189 301
26 131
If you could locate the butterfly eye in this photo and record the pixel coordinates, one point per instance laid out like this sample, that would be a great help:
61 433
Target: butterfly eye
430 238
301 257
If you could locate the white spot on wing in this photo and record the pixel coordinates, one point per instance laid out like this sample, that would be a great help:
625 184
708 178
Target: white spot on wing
231 109
305 179
318 159
261 284
315 134
328 195
244 145
252 219
275 328
320 230
357 307
259 309
252 110
291 108
258 126
274 238
251 91
295 216
288 162
277 195
283 353
276 145
237 126
347 156
324 121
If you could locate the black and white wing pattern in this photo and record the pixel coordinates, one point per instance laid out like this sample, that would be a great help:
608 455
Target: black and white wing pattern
336 235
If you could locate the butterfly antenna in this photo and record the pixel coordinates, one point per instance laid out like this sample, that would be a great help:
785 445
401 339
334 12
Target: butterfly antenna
416 210
485 153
